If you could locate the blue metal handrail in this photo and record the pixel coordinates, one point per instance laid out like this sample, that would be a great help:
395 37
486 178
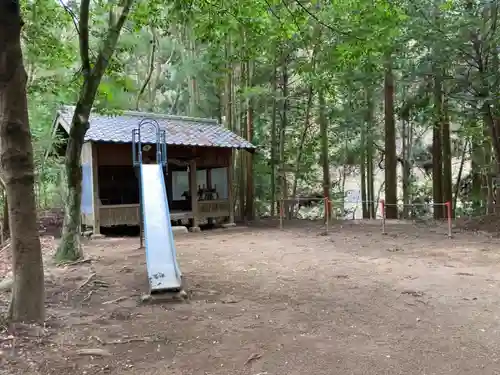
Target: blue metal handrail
161 143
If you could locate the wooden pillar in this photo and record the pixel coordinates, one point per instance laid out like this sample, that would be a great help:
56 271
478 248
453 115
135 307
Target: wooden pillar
193 187
96 203
209 186
230 175
209 178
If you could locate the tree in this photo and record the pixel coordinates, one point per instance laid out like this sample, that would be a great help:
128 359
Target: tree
70 248
17 169
390 142
229 60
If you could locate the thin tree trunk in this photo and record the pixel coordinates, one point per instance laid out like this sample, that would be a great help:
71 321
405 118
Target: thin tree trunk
406 169
362 172
487 184
70 247
459 175
250 209
477 160
447 188
492 12
391 177
175 103
152 87
242 115
284 123
274 140
369 154
325 161
342 191
193 84
228 102
410 160
492 136
150 70
365 206
220 106
302 141
17 169
437 161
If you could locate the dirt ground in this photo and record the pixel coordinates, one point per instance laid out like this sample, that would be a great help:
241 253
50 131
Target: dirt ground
271 302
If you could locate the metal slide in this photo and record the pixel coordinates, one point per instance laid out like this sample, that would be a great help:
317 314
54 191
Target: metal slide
161 258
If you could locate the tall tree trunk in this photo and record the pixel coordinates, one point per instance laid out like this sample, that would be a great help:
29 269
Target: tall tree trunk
307 121
228 102
325 160
405 138
250 209
406 168
362 172
220 106
370 128
362 163
391 177
17 169
274 139
284 123
490 108
446 149
302 141
459 175
409 160
242 115
228 83
437 160
70 247
487 183
193 84
477 172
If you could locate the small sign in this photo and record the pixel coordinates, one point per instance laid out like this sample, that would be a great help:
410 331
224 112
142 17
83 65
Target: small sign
353 196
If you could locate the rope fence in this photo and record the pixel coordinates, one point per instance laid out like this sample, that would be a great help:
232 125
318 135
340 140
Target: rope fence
329 204
448 218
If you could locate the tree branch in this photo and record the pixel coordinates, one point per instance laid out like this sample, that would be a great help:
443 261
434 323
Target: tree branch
83 25
150 71
112 35
71 14
472 61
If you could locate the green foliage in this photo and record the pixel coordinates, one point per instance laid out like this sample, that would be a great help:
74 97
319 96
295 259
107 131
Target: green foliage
338 47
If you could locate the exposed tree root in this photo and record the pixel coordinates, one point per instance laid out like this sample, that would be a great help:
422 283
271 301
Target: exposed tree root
88 280
128 340
119 299
94 352
74 263
253 357
88 296
5 246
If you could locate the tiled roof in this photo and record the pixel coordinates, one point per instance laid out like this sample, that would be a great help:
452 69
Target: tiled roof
186 131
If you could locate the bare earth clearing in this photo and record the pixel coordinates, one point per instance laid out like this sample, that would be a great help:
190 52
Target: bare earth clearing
272 302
